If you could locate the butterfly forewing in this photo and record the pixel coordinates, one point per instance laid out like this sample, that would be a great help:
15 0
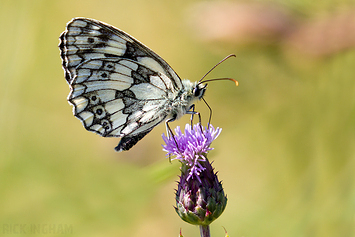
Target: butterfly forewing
86 39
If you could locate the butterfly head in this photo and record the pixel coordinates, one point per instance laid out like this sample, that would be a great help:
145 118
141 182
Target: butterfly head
199 90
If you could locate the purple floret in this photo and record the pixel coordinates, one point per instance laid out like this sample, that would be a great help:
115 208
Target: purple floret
191 146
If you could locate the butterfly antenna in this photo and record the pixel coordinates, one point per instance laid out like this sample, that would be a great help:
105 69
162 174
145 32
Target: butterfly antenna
222 79
229 56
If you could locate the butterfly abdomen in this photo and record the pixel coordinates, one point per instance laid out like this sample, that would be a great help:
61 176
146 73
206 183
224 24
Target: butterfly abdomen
127 143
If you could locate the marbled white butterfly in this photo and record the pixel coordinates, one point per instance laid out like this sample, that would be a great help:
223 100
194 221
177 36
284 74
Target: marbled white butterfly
118 86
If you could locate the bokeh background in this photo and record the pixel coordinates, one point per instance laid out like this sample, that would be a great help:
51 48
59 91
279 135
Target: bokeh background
286 154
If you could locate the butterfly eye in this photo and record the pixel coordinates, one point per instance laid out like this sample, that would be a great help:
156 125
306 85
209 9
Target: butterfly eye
196 92
199 90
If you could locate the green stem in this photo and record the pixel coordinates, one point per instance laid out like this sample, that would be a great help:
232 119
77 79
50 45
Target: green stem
205 231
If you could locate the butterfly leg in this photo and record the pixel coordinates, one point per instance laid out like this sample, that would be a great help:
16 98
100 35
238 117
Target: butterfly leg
170 132
192 109
193 112
210 117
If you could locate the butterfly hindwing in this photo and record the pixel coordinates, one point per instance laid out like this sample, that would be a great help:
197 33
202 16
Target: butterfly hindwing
118 97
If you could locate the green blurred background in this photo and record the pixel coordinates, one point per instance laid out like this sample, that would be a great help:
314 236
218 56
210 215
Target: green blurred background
286 154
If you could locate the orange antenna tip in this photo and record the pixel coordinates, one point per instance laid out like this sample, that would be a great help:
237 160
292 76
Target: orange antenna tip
235 81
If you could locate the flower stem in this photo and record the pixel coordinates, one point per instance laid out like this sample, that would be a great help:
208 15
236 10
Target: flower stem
205 231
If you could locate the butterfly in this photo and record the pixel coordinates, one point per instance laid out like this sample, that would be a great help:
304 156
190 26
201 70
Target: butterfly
118 86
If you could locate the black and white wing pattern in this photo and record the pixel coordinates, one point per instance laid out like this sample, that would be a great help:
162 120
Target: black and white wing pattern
119 87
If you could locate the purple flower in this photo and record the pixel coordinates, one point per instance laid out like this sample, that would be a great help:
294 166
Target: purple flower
200 197
191 148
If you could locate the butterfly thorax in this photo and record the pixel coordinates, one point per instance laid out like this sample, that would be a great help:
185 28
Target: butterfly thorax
185 98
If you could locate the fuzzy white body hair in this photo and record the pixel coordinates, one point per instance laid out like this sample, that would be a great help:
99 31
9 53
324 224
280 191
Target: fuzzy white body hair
183 100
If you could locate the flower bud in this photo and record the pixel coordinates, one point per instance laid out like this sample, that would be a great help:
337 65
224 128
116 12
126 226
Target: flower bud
200 202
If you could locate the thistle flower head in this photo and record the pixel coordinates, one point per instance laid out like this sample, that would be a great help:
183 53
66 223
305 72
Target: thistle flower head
200 198
191 148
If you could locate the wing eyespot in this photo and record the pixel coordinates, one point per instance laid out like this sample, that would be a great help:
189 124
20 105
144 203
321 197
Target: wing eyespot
94 100
99 112
104 75
109 66
106 125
